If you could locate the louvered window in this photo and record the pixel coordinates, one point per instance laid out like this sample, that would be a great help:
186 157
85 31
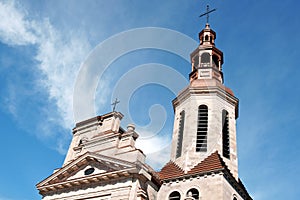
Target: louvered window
225 134
180 134
201 142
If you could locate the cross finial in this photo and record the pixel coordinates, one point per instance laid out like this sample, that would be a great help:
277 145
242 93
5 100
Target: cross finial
207 13
114 104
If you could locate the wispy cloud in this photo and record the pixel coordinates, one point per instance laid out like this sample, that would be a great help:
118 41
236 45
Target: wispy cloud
158 159
15 29
10 100
58 57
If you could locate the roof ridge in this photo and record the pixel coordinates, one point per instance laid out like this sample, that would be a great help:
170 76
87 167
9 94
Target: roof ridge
211 162
177 165
171 162
170 170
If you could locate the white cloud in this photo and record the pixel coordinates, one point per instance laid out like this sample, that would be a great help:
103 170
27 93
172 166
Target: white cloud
60 60
59 56
15 29
146 144
10 100
157 148
158 159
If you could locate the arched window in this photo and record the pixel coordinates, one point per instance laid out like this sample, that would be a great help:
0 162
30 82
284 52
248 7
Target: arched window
174 196
205 60
215 61
201 142
196 62
225 134
180 134
206 38
234 198
193 193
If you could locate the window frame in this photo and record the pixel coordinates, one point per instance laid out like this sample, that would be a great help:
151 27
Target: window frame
202 129
172 198
225 134
180 134
193 195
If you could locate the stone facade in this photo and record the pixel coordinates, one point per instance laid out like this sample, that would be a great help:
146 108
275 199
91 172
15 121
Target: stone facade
104 134
102 163
211 187
216 100
211 179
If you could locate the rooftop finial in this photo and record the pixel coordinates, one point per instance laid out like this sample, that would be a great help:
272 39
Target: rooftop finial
114 104
207 13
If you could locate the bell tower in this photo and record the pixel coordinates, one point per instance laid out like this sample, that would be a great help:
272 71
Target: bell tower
207 60
204 160
205 111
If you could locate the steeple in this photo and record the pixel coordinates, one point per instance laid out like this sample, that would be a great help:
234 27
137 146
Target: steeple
204 134
206 111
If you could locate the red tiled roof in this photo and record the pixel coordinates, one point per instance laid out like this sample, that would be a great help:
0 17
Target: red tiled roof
211 163
170 170
229 91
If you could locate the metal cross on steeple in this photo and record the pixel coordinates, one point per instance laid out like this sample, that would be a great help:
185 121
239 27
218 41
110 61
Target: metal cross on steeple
114 104
207 13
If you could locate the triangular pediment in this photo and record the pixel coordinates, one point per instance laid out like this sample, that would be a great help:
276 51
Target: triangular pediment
89 167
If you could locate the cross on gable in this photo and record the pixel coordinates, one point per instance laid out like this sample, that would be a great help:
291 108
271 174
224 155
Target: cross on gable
115 104
207 13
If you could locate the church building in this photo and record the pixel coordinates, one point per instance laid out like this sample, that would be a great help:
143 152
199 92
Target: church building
103 163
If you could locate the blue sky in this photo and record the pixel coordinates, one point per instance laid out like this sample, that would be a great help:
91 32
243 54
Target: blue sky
44 43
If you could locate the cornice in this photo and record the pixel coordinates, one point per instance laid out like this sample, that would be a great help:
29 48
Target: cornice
213 90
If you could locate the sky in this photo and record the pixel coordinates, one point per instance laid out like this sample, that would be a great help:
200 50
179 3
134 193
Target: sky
47 47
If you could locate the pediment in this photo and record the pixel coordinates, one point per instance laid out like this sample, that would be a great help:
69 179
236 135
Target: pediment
89 167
